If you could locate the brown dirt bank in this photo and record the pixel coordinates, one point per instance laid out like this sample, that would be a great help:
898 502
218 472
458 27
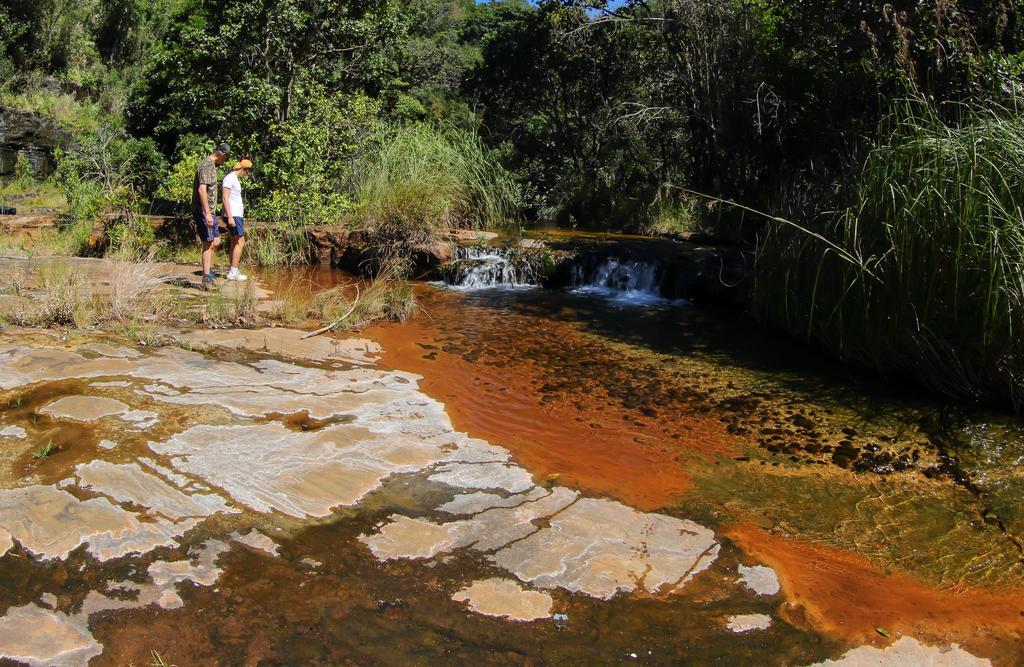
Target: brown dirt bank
842 595
589 442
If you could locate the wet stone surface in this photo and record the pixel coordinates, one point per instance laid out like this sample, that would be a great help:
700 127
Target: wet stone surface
215 526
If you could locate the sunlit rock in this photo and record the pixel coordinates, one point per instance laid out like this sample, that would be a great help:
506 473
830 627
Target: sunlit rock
760 579
256 540
127 482
5 541
45 638
288 343
601 547
107 350
593 546
478 501
509 477
51 523
488 530
506 598
268 468
404 537
180 480
83 408
473 450
907 652
748 622
20 366
498 527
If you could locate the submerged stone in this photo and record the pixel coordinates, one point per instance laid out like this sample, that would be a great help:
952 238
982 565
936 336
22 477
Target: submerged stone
505 598
84 408
13 432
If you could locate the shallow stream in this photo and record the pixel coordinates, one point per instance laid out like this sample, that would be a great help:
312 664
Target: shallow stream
651 481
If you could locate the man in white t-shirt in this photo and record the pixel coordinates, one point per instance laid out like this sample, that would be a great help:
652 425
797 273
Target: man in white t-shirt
234 212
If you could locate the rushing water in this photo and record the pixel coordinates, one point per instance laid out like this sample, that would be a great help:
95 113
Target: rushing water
491 268
629 283
623 282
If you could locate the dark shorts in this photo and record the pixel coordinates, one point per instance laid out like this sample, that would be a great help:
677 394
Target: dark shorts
207 234
238 229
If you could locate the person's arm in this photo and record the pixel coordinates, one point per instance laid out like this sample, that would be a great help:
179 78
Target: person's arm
225 196
204 199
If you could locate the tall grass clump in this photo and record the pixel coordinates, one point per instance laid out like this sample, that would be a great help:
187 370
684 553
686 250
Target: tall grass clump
270 245
426 180
923 274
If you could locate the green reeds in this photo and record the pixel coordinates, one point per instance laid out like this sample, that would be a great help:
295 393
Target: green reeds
923 274
426 180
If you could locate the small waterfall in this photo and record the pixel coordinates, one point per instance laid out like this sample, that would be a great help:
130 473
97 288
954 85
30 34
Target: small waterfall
488 268
625 282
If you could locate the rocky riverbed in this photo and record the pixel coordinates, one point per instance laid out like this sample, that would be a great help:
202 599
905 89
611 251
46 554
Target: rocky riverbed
247 496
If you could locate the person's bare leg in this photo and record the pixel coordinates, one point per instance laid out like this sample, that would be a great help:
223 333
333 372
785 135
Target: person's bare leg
207 257
237 243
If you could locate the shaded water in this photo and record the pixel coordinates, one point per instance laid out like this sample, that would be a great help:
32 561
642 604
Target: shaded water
876 507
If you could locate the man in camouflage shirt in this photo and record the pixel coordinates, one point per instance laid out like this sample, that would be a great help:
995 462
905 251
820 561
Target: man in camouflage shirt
204 207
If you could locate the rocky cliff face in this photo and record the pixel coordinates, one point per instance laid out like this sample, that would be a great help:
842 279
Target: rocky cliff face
33 136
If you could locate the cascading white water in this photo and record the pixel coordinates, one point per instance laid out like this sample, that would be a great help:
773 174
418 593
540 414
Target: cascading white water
476 269
624 282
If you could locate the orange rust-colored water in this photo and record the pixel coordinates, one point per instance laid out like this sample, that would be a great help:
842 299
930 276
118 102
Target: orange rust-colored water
582 436
841 594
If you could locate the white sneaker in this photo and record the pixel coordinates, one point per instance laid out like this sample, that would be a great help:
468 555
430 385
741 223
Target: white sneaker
235 274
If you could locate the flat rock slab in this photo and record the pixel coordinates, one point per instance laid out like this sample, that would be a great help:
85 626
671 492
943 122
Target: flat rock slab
505 598
127 482
907 652
50 523
760 579
83 408
288 343
601 547
256 540
42 638
558 540
748 622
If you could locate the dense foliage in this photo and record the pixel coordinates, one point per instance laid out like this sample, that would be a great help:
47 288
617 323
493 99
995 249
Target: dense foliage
634 114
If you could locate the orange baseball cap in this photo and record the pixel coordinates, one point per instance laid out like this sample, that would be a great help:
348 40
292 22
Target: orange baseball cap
244 164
